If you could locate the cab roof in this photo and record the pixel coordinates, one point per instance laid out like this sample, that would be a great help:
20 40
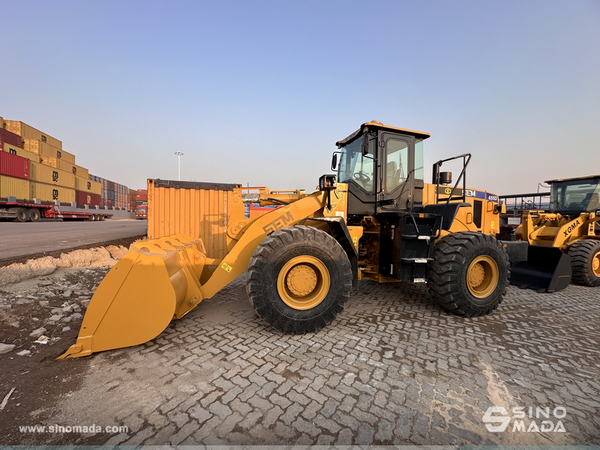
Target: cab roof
374 125
590 177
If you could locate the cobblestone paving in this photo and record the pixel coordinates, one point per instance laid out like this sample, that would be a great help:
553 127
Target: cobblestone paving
392 369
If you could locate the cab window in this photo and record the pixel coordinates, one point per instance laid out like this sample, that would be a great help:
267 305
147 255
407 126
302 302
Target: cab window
356 167
396 164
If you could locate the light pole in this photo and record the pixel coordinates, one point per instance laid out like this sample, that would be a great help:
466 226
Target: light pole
179 155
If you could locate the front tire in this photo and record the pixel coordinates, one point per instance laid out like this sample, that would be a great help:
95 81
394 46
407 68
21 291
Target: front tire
585 262
469 274
299 279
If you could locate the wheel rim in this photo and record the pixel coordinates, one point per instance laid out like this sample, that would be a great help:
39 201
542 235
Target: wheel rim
303 282
596 264
482 276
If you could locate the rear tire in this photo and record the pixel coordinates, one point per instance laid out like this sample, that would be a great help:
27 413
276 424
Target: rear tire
22 215
34 215
585 262
469 274
299 279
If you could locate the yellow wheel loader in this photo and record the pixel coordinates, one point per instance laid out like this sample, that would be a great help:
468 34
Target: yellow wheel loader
374 219
564 242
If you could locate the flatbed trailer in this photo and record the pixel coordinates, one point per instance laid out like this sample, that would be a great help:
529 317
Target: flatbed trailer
34 212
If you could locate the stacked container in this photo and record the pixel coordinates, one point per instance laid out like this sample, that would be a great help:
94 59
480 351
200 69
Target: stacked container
141 204
49 180
132 194
113 194
14 165
34 165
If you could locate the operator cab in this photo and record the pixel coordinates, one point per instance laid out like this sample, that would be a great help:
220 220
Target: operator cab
383 167
573 196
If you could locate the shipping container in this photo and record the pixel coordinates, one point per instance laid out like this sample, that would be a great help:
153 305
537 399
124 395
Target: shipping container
198 210
13 149
10 138
51 175
48 192
89 186
87 198
14 187
52 162
32 145
28 132
142 194
14 166
66 166
54 152
80 171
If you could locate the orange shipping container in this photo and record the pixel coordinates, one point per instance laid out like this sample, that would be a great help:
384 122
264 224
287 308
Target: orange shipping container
198 210
51 175
28 132
47 192
14 187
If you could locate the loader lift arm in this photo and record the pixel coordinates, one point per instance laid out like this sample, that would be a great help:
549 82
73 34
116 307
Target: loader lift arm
159 280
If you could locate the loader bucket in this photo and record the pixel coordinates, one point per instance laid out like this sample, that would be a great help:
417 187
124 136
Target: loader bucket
141 294
547 269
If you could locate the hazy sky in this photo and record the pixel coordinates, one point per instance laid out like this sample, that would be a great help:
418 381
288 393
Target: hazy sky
259 91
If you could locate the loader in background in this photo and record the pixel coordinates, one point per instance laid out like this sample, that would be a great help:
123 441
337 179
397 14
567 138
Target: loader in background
564 242
374 219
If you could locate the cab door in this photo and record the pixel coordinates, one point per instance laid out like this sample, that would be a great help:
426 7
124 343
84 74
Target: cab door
395 185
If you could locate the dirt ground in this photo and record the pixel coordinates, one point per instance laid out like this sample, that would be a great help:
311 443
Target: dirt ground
55 302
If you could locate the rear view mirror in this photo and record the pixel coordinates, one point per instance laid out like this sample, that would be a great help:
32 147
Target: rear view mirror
334 160
365 146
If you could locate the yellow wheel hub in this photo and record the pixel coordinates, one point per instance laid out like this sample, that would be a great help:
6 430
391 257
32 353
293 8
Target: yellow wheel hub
596 264
482 276
303 282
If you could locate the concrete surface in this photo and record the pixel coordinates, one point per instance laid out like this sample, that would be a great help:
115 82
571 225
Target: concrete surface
392 369
17 239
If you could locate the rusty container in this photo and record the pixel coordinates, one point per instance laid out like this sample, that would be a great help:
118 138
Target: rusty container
87 198
14 166
6 137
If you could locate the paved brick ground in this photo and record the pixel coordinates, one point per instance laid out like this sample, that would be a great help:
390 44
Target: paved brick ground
392 369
